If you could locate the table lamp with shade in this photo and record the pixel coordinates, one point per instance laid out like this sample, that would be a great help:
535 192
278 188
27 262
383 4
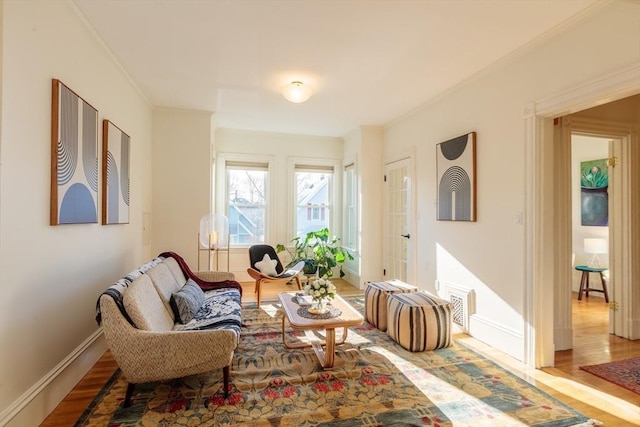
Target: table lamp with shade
595 246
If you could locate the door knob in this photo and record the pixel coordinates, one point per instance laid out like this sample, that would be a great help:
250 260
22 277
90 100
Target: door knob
406 236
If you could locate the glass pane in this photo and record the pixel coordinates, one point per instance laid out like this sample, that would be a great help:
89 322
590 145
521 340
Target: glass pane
246 201
350 201
246 187
246 225
397 206
312 201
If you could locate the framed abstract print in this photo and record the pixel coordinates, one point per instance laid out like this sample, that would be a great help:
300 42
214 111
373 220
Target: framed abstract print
115 174
74 158
456 174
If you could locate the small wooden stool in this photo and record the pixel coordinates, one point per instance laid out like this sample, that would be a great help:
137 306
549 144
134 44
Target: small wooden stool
584 281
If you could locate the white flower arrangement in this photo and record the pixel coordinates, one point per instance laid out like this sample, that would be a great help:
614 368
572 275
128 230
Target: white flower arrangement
320 289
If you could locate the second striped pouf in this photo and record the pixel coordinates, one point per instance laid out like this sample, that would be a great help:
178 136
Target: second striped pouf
419 321
375 300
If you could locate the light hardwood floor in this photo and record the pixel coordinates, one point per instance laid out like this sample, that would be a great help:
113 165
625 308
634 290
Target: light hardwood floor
596 398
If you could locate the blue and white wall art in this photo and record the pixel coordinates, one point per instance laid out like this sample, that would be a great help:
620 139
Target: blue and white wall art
74 158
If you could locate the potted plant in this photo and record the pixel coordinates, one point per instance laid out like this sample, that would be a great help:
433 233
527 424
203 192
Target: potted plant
319 251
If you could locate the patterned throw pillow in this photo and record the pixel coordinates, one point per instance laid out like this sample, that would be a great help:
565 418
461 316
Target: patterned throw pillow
267 266
187 301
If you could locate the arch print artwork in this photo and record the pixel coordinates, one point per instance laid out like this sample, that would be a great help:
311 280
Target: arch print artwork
115 174
74 158
456 174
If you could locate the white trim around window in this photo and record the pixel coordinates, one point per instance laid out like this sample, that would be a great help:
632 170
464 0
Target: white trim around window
246 161
309 164
350 205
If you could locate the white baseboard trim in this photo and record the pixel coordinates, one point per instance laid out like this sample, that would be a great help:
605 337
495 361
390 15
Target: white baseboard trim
507 340
352 277
563 338
39 400
634 328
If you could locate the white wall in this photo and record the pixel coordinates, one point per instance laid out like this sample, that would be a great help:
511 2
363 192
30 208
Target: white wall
182 159
487 256
280 148
51 277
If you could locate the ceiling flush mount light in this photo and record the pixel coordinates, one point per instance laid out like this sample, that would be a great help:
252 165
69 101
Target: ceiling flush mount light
296 92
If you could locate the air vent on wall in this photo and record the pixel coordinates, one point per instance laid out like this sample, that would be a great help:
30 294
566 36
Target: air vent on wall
458 310
462 299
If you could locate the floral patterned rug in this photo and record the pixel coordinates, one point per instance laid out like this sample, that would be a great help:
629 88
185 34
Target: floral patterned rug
625 373
374 382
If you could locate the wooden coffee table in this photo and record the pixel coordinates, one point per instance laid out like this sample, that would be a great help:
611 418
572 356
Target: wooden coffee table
349 317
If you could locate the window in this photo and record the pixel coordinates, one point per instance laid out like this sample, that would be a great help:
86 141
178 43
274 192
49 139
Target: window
313 192
350 207
246 202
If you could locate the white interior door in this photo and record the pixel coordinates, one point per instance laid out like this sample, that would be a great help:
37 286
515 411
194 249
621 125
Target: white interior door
619 241
398 251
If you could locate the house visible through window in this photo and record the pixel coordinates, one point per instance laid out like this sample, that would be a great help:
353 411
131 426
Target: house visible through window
313 198
315 212
246 202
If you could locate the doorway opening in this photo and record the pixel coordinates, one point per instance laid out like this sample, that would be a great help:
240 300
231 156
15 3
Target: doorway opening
590 210
548 218
593 195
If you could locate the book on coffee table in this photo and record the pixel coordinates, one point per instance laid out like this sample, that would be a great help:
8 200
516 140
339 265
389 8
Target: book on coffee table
303 299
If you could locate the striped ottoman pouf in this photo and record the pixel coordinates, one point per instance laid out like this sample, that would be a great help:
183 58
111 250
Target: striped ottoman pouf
375 300
419 321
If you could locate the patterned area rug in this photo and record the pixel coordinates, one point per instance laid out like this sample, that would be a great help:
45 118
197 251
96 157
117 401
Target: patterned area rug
375 382
625 373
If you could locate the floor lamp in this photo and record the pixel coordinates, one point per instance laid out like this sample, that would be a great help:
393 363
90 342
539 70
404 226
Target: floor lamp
213 238
595 246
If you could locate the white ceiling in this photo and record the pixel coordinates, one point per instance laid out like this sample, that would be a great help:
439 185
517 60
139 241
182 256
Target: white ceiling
369 61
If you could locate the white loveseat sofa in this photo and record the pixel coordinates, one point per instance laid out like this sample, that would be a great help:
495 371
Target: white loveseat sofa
146 331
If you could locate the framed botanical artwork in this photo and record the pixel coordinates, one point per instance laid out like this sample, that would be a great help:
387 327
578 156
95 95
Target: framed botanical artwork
74 158
115 174
594 193
456 173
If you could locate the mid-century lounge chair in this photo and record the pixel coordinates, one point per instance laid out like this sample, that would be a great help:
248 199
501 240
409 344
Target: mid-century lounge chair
267 268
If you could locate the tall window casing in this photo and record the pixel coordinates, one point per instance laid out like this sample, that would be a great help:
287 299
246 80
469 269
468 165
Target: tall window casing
313 198
246 202
350 239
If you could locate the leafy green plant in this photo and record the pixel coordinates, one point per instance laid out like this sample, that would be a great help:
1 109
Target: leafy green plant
320 252
594 177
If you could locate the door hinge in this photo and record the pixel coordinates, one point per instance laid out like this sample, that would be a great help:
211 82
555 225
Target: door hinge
384 271
385 178
612 162
614 306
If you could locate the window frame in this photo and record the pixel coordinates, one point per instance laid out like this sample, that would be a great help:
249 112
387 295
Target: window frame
309 164
350 167
236 161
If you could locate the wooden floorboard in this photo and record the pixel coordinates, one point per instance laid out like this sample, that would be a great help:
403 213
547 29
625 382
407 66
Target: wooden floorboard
593 396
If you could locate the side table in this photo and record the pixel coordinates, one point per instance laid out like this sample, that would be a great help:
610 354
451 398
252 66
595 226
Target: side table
584 281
